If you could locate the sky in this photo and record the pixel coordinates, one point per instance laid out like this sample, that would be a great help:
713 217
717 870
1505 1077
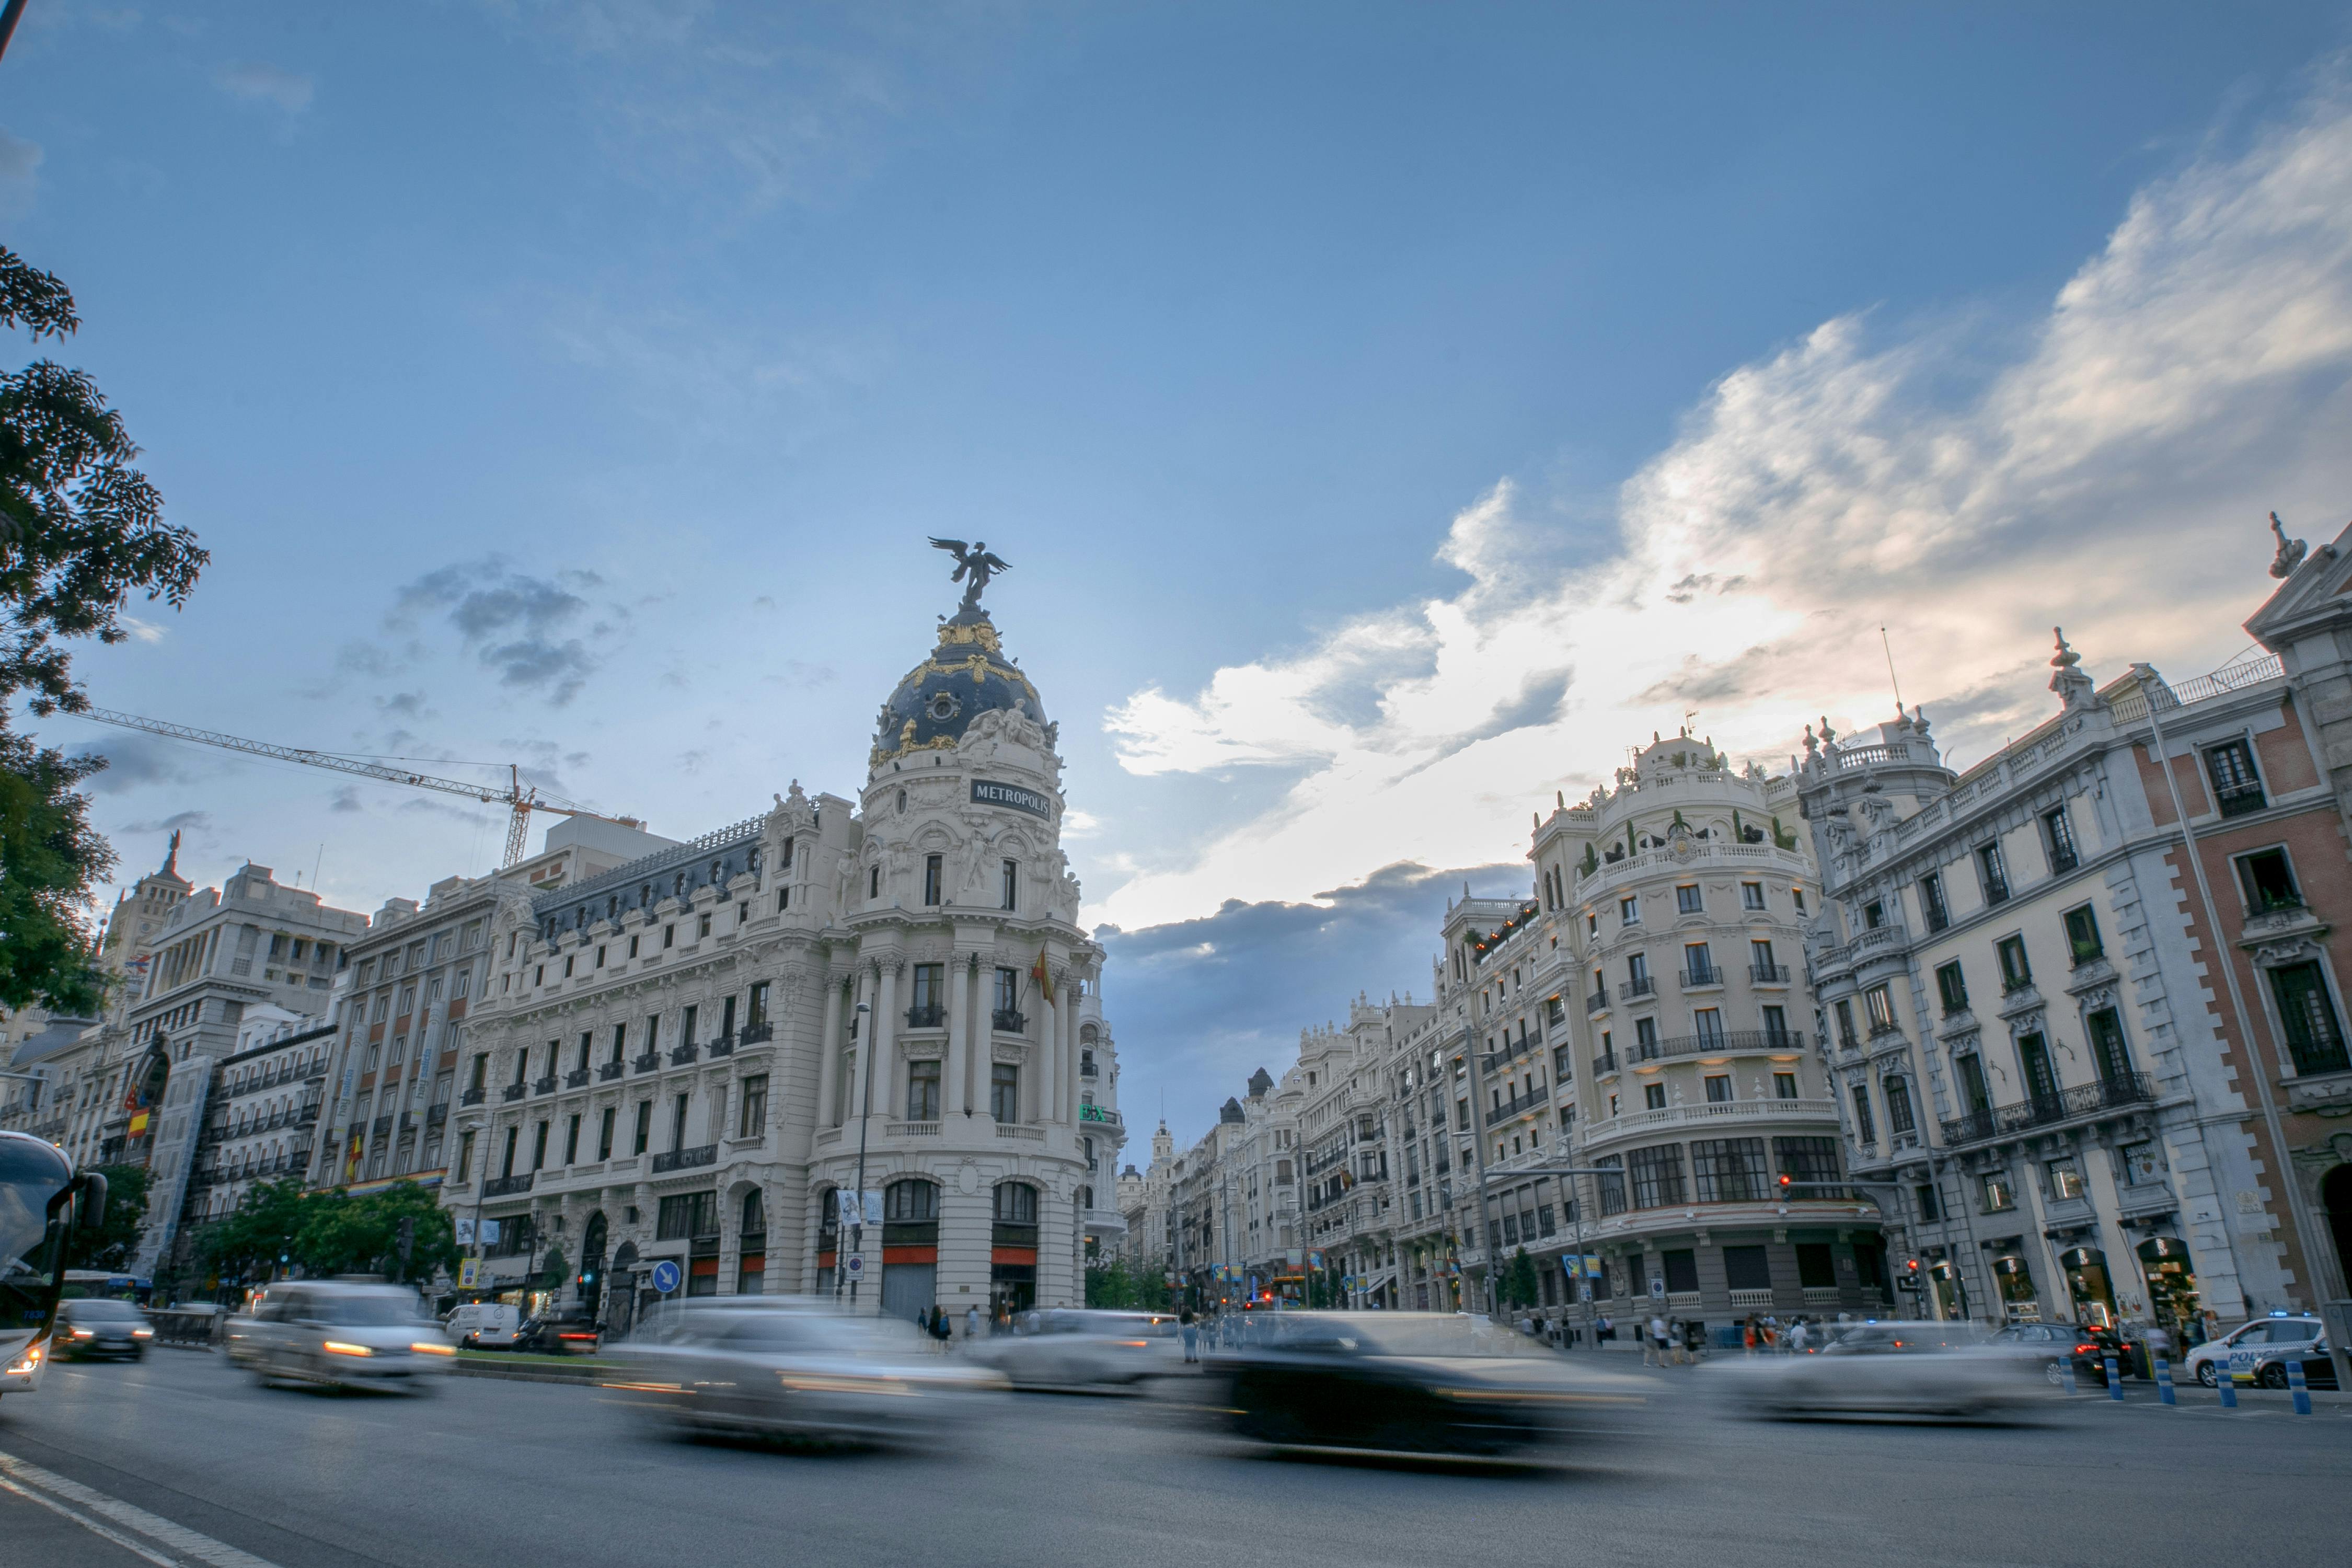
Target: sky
1391 413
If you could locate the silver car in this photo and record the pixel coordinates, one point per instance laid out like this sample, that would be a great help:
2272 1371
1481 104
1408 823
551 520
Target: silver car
1069 1349
772 1368
352 1336
1915 1368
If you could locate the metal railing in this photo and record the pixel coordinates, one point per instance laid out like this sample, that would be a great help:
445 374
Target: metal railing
2120 1092
1768 974
1008 1021
1605 1062
514 1091
685 1158
756 1034
1596 1002
611 1070
681 1055
1693 979
1725 1041
576 1078
648 1062
926 1016
544 1085
506 1186
1633 989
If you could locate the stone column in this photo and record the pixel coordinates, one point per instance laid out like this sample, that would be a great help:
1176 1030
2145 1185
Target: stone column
865 1055
954 1096
829 1057
886 1033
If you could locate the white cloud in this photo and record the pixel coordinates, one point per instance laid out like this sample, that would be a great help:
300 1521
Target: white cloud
2112 472
257 81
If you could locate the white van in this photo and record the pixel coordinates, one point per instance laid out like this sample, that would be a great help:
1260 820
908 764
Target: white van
479 1324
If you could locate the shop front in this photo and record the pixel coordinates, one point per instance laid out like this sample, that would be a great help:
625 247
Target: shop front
2172 1299
2089 1285
2012 1276
1951 1291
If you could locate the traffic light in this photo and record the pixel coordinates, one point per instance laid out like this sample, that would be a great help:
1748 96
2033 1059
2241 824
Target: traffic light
1784 1183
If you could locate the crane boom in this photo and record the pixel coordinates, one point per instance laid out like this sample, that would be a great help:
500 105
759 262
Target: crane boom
519 799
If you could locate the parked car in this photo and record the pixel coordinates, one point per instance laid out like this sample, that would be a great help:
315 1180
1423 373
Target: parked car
795 1369
2239 1354
572 1330
347 1335
2271 1363
1414 1383
99 1326
1069 1349
485 1323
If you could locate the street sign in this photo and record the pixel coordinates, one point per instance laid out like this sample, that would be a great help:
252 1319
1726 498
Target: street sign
1657 1287
856 1265
664 1277
469 1273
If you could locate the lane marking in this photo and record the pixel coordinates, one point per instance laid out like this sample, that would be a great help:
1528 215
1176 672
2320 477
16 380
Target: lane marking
90 1524
196 1544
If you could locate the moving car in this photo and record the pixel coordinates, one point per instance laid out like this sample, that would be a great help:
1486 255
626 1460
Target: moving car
98 1326
2237 1354
481 1323
789 1368
1414 1383
347 1335
2061 1342
1065 1349
572 1330
1908 1369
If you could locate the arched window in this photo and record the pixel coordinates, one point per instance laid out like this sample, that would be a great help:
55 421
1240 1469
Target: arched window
755 1213
1016 1207
828 1220
910 1202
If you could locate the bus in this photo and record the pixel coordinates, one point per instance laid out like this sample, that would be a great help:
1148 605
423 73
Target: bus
41 1201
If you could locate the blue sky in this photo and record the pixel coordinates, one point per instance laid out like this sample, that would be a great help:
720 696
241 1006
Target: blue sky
1389 411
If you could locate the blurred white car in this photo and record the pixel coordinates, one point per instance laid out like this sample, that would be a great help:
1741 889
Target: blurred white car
352 1335
1911 1368
782 1369
1068 1348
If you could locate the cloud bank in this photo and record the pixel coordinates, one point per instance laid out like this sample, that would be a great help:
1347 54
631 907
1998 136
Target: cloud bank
2107 466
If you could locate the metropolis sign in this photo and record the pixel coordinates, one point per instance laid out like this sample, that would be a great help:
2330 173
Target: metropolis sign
985 793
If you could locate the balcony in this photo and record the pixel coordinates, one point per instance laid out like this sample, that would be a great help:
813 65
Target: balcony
685 1158
1723 1043
383 1126
756 1034
1519 1105
1708 1113
1707 979
544 1086
514 1091
1768 973
2241 799
2086 1099
1008 1021
505 1187
1633 990
2064 860
926 1016
1596 1002
648 1062
576 1078
1878 942
611 1070
681 1055
721 1045
435 1115
1605 1062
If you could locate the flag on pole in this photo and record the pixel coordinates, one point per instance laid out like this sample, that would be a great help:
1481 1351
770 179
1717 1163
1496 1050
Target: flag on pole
1044 981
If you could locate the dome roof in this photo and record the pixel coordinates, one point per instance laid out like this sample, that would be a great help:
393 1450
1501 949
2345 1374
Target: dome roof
966 675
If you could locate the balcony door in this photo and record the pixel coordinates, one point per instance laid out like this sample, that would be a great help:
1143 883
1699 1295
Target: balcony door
2041 1082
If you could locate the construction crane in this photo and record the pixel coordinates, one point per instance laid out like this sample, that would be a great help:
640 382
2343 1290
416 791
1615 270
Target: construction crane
519 799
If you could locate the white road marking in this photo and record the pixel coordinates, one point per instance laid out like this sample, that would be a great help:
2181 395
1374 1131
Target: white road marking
91 1525
33 1482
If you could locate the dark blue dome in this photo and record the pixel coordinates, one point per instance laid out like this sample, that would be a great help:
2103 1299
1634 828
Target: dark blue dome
966 675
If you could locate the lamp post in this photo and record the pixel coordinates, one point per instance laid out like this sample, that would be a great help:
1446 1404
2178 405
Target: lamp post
865 1117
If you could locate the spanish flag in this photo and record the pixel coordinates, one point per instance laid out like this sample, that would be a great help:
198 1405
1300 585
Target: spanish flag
1044 981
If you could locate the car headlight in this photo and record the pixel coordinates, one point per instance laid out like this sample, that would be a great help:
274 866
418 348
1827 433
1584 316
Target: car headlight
429 1347
142 1333
337 1347
85 1334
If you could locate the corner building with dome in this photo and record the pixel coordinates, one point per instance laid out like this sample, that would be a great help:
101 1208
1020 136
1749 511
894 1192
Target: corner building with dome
686 1059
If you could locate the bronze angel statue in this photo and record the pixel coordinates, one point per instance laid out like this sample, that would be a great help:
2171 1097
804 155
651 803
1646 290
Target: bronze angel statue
974 561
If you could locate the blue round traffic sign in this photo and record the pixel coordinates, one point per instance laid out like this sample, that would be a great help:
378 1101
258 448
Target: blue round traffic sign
664 1277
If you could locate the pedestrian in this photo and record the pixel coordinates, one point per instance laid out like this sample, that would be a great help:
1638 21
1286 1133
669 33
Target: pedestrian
1656 1344
1675 1337
1797 1337
2159 1343
971 1321
1192 1332
1604 1333
1747 1335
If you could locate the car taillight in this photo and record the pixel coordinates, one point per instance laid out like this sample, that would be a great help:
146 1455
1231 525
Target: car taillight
142 1333
575 1336
2084 1350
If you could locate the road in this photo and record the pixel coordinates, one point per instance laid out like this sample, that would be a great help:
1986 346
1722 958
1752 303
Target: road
186 1461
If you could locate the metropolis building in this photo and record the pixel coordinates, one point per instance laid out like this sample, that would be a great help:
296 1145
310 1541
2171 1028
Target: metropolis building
686 1059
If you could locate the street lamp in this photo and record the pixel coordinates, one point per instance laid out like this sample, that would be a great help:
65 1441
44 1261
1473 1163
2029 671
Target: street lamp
865 1038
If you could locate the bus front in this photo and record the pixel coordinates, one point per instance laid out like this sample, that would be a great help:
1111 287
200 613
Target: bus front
37 1211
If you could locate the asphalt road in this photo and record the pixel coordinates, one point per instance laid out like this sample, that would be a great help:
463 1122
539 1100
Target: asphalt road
186 1461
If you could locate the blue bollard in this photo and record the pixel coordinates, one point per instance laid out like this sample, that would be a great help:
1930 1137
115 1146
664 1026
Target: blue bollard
2163 1382
2114 1381
2068 1364
2301 1389
2227 1385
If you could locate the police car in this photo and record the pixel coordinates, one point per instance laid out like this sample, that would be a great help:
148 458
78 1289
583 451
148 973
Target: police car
2239 1353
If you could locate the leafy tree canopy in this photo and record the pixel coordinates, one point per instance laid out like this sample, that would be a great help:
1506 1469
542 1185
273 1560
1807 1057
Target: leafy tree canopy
80 532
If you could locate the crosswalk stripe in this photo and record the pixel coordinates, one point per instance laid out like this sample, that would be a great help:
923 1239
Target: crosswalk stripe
202 1548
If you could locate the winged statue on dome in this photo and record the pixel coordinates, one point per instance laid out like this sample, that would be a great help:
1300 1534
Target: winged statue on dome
972 561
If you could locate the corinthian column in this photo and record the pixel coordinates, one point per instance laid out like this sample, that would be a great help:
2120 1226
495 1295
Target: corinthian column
954 1094
828 1059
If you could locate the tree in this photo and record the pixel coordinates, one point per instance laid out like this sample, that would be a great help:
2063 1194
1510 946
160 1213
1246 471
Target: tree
110 1245
250 1242
1521 1287
553 1271
347 1235
80 531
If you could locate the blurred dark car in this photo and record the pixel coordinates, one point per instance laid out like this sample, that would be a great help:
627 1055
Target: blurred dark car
2061 1342
1414 1382
101 1327
571 1332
